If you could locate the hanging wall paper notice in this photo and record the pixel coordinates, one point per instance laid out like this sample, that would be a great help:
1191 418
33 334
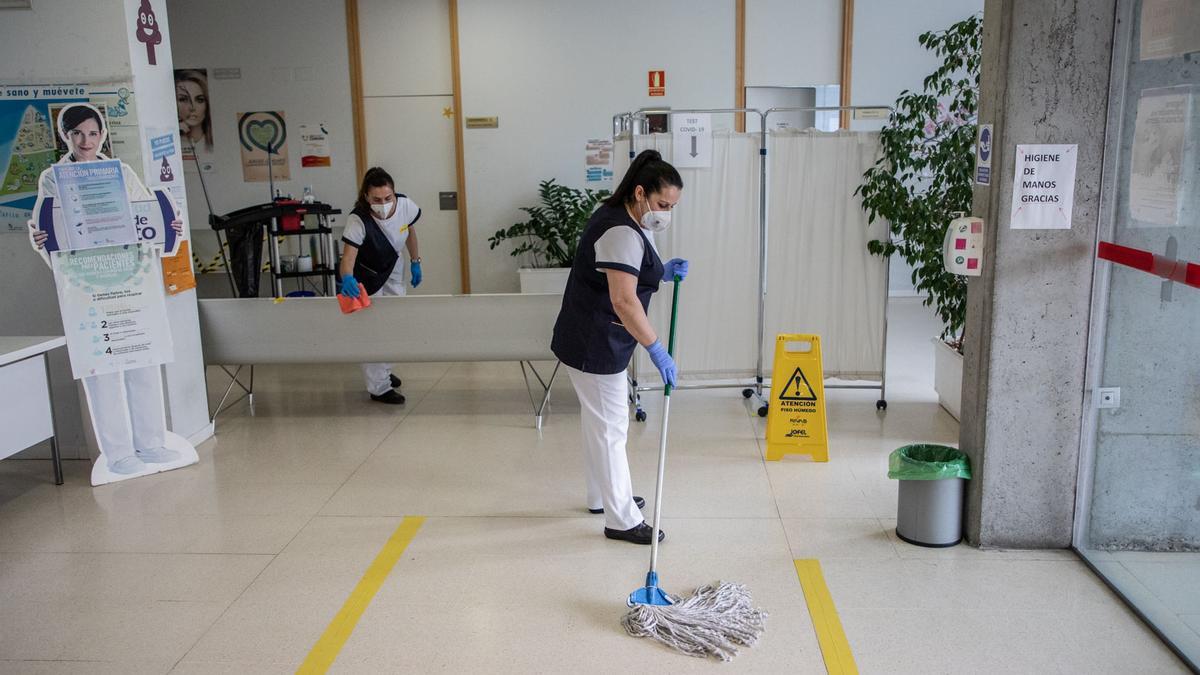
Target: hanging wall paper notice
692 148
113 308
94 203
1169 28
1161 186
598 159
314 145
1044 187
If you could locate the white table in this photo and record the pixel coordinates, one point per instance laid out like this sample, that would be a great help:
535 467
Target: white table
26 401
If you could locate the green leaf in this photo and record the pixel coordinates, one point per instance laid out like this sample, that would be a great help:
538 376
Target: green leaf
550 236
919 179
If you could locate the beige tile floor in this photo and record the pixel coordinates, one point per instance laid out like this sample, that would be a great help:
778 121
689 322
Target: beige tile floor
238 564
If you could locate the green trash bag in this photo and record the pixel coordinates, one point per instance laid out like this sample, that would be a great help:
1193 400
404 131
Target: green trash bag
928 462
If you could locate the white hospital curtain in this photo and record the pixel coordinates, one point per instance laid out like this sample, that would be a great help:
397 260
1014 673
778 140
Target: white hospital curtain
715 226
821 277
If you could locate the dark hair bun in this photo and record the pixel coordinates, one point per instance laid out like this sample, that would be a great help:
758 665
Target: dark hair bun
650 155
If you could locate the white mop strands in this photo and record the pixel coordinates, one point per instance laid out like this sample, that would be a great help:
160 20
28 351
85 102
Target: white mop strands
716 620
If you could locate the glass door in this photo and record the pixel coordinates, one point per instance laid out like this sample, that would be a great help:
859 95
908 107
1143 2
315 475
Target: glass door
1138 521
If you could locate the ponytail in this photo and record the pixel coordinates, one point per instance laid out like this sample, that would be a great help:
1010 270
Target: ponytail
650 172
375 177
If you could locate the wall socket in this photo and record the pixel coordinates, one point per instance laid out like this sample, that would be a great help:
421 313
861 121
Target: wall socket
1108 398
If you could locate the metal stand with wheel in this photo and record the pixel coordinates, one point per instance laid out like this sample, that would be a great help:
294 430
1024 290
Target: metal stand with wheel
633 123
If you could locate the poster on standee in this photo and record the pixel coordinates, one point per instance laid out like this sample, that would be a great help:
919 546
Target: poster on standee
113 308
263 134
95 204
1043 195
1158 180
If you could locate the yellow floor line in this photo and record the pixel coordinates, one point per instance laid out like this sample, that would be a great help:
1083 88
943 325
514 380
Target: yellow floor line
334 638
834 647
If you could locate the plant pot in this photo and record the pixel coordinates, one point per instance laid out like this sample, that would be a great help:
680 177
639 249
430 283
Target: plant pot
947 376
544 279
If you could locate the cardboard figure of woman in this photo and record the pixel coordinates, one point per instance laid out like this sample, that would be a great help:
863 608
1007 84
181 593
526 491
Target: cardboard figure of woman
110 294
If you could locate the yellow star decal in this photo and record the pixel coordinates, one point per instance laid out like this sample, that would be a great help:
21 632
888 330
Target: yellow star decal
447 112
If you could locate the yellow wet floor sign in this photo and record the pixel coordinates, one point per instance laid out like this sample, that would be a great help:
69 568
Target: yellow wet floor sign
796 416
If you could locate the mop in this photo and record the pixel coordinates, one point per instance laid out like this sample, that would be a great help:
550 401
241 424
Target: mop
717 618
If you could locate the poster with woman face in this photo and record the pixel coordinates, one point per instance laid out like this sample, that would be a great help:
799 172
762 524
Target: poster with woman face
195 118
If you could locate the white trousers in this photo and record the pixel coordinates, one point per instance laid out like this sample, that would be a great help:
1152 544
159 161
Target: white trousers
378 376
604 413
127 411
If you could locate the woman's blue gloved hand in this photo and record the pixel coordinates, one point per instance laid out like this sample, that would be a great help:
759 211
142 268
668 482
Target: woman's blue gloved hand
675 266
415 269
663 361
350 286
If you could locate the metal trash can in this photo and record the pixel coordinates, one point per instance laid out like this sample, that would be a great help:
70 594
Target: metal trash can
932 481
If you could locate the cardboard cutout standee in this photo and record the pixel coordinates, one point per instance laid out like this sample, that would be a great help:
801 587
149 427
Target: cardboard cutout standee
119 286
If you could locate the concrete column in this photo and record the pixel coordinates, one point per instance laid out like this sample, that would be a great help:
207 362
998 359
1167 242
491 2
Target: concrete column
1045 79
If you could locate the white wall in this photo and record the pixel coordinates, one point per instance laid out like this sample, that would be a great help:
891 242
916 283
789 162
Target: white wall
49 44
294 58
408 86
555 73
793 43
887 58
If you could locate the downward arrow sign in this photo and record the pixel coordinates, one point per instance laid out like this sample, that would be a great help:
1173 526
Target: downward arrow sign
694 153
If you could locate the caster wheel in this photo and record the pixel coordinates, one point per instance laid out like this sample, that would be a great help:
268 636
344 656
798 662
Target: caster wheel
762 412
640 416
881 405
747 393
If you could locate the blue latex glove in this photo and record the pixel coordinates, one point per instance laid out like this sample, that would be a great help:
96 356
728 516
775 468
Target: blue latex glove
415 270
663 361
350 286
675 266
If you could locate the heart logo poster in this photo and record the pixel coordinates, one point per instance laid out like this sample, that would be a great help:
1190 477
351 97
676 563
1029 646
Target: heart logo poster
263 135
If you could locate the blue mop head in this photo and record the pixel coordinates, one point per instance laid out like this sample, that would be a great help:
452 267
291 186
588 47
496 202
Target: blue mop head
650 594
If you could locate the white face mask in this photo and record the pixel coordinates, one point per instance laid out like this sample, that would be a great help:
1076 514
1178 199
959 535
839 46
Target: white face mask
381 210
656 221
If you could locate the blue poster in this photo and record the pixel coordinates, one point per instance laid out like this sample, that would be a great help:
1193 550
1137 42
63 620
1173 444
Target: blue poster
28 144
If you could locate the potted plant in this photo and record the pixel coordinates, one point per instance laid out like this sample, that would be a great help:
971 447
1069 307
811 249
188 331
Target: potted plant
549 238
924 178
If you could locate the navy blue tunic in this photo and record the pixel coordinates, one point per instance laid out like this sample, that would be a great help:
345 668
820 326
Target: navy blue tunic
588 334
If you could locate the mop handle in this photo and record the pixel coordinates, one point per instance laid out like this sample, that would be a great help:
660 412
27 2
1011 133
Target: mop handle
671 334
662 441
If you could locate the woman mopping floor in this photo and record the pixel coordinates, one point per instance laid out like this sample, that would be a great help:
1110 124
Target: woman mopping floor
603 319
716 619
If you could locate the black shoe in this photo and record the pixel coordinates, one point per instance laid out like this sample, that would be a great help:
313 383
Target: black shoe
395 381
389 397
638 535
636 500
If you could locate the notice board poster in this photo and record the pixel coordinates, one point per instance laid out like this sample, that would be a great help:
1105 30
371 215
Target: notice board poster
113 308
